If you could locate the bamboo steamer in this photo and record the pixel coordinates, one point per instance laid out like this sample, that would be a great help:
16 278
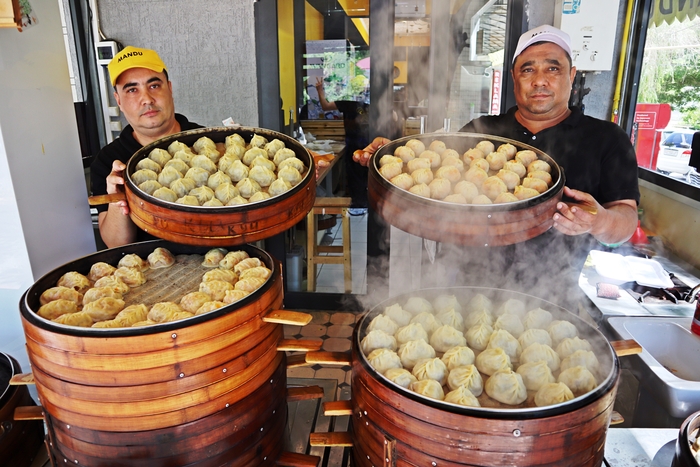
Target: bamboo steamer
393 426
221 226
207 390
471 225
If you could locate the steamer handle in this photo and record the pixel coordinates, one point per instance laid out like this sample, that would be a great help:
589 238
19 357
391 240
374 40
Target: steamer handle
627 347
106 199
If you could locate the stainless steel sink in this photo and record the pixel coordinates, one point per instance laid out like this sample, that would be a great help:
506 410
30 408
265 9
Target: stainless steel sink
669 365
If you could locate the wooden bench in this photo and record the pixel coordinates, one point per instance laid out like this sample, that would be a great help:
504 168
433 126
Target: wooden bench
324 129
332 205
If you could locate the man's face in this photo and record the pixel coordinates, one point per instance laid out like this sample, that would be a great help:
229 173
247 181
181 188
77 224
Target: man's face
146 99
542 80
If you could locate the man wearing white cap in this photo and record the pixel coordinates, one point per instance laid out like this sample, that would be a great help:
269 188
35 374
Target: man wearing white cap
145 97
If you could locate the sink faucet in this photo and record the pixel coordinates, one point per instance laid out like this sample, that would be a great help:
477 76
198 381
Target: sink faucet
693 294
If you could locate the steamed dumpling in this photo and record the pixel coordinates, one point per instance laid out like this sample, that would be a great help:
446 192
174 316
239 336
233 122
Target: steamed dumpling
140 176
74 280
584 358
182 186
279 186
237 171
150 186
536 352
451 317
478 336
560 330
462 396
511 323
377 339
478 317
537 319
416 305
512 306
168 175
579 379
199 175
412 351
104 308
398 314
400 376
130 276
113 282
446 337
384 323
534 335
248 187
430 368
290 174
216 289
99 270
504 340
427 320
61 293
383 359
467 376
480 302
444 303
507 387
553 393
232 258
535 374
569 345
459 355
213 257
429 388
193 301
492 360
410 332
96 293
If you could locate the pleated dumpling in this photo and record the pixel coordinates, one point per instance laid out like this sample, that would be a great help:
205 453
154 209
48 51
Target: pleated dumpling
199 175
560 330
459 355
113 282
427 320
225 192
176 146
209 306
168 175
504 340
377 339
478 336
273 146
430 368
182 186
132 277
104 308
248 187
149 164
535 374
253 153
584 358
511 323
60 293
451 317
212 154
282 155
446 337
217 179
507 387
96 293
492 360
279 186
132 260
235 151
132 314
247 263
80 319
213 203
569 345
553 393
166 194
179 165
262 175
56 308
579 379
237 171
478 317
292 162
416 305
234 138
232 258
263 162
160 156
412 351
258 141
193 300
383 359
220 274
74 280
537 319
249 284
216 289
184 156
161 258
259 271
384 323
467 376
398 314
428 388
480 302
462 396
162 312
410 332
536 352
400 376
533 335
290 174
202 194
150 186
259 196
234 295
203 162
213 257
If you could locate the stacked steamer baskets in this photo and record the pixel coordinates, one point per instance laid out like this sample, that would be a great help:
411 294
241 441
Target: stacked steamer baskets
201 381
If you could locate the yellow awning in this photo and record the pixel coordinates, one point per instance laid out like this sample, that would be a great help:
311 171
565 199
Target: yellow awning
669 11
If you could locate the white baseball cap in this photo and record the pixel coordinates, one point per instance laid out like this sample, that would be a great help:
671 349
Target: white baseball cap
544 33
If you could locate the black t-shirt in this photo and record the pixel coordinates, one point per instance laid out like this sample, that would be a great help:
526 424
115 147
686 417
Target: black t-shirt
598 158
122 148
356 124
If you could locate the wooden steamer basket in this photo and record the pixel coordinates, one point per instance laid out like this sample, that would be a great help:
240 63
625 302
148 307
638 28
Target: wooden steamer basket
393 426
204 391
218 226
472 225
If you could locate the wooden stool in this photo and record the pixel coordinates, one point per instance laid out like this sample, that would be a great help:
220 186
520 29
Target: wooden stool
328 206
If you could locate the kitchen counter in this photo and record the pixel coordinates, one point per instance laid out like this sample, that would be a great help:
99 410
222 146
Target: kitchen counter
640 447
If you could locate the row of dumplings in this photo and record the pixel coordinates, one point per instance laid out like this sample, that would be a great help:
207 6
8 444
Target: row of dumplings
97 299
507 353
219 174
482 175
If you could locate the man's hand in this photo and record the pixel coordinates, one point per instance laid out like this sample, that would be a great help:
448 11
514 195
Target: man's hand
362 156
320 162
115 184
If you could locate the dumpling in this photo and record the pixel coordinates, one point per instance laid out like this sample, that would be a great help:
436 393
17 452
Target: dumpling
536 352
428 388
492 360
99 270
131 314
216 289
493 186
417 164
179 165
203 142
199 175
258 141
414 145
505 198
510 323
104 308
130 276
237 200
440 188
168 175
486 147
480 302
292 162
537 319
403 181
217 179
383 359
539 165
160 258
162 312
232 258
391 170
377 339
462 396
496 160
234 139
437 146
182 186
553 393
446 337
579 379
143 175
540 174
279 186
253 153
416 305
535 374
535 183
534 335
410 332
560 330
282 155
507 387
512 306
96 293
405 153
427 320
412 351
257 271
515 166
467 376
476 175
478 336
248 187
398 314
570 345
290 174
384 323
273 146
525 157
114 282
249 284
459 355
133 261
184 156
449 172
60 293
237 171
445 303
262 175
235 295
209 306
56 308
263 162
478 317
226 192
522 192
584 358
482 199
451 317
504 340
220 274
148 164
213 257
247 263
150 186
213 202
433 157
259 196
80 319
74 280
166 194
202 193
508 149
388 159
400 376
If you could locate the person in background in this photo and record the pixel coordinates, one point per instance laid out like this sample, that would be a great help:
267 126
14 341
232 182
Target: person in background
356 124
695 152
596 156
144 95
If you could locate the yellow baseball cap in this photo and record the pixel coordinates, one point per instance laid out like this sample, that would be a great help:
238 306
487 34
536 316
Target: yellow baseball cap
134 57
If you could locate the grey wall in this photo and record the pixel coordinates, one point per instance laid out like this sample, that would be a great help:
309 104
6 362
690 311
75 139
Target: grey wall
207 45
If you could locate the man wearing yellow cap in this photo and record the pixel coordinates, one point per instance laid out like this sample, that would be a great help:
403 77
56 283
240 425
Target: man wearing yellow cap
145 97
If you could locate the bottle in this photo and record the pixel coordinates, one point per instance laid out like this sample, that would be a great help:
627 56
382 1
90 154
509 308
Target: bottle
695 326
639 237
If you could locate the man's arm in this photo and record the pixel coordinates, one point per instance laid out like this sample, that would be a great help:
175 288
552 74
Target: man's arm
116 227
325 105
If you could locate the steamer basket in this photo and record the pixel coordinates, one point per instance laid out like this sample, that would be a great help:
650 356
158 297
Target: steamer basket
221 226
472 225
391 422
206 390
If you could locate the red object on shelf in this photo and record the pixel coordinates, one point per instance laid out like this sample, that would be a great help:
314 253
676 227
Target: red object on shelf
639 237
695 326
